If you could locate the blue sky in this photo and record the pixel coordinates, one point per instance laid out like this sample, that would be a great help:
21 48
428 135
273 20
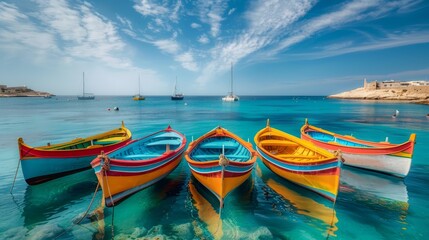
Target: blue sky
302 47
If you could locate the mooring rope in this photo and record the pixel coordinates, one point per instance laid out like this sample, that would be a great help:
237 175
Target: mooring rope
84 215
105 169
16 173
17 168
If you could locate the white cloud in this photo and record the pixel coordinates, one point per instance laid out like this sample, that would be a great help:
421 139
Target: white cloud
175 13
147 8
203 39
187 61
231 11
83 32
17 31
168 46
347 13
268 20
125 22
387 41
210 12
195 25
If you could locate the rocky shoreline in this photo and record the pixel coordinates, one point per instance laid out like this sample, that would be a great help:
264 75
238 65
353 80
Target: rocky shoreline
393 94
27 93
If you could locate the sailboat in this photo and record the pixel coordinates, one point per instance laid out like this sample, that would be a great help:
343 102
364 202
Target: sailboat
138 97
176 95
85 96
231 97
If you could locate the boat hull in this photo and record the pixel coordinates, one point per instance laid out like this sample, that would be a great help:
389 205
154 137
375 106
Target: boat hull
323 179
45 163
123 184
138 164
388 164
177 97
221 161
384 157
41 170
211 177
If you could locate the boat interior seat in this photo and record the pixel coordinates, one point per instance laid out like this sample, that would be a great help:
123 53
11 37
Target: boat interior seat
94 146
164 142
283 143
237 158
220 145
296 156
139 156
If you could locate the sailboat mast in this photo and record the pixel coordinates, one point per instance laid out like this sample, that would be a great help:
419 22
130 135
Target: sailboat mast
232 92
83 79
139 84
175 87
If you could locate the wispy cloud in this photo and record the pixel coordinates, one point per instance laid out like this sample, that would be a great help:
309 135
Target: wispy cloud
211 12
18 32
84 33
203 39
148 8
359 10
267 19
125 22
167 45
187 61
390 40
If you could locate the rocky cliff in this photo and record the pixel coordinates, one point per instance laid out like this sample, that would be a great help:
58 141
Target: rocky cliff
415 95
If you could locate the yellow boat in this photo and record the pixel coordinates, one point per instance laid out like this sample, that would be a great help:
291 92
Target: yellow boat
299 161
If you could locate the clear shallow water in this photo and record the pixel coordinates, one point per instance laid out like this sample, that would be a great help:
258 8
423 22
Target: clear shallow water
369 205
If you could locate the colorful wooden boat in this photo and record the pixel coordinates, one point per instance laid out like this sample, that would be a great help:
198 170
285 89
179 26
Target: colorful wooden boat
221 161
299 161
385 157
44 163
138 164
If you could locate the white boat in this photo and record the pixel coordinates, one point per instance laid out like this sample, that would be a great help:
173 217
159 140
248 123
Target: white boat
231 97
85 96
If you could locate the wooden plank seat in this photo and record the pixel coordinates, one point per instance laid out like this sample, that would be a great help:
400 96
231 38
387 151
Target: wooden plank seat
296 156
139 156
164 142
216 157
219 145
282 143
107 141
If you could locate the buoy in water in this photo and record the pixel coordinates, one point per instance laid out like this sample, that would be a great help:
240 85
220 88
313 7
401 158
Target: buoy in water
116 108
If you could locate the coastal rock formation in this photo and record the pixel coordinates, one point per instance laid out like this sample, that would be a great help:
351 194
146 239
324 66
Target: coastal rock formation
388 90
21 92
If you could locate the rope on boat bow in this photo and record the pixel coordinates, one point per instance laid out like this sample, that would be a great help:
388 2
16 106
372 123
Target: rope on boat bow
17 168
105 166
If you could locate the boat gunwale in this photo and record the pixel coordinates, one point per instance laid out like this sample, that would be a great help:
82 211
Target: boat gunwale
148 161
374 148
34 153
326 156
220 132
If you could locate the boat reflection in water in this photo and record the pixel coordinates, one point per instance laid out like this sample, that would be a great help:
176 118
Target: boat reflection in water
375 188
305 205
205 209
382 186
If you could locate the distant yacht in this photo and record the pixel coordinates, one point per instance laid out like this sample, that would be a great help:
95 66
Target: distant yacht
176 95
231 97
138 97
85 96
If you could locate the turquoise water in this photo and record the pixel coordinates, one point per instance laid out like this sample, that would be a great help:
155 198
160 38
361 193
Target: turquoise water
369 205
